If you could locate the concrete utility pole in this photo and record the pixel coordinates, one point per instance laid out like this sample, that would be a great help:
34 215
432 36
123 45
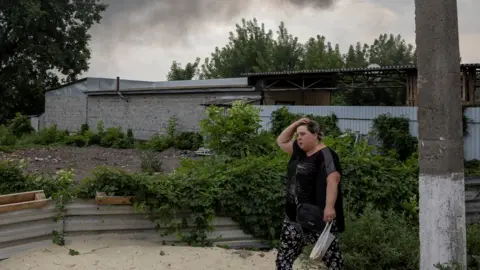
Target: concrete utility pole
442 184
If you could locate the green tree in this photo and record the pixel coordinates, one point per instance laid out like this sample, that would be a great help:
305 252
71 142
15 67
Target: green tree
390 50
249 50
357 56
40 41
287 51
177 72
320 54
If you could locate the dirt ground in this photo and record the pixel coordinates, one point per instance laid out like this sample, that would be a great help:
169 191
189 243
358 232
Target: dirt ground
138 255
84 159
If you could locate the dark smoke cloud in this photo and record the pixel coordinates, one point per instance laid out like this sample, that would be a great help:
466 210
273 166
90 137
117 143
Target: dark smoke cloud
169 22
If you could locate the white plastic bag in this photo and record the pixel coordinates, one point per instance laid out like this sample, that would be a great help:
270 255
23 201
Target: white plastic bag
323 243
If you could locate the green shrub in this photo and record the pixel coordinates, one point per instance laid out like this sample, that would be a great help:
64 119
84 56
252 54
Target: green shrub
395 135
76 140
92 138
378 241
13 179
20 125
159 142
472 167
111 136
100 128
380 180
192 188
113 181
252 193
130 137
188 141
84 128
114 137
234 133
7 138
282 118
50 135
172 127
151 163
473 239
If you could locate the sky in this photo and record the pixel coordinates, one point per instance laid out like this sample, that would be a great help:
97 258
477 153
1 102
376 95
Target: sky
139 40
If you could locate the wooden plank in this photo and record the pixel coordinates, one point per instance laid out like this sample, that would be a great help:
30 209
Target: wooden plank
102 198
464 78
471 85
19 197
40 196
23 205
24 200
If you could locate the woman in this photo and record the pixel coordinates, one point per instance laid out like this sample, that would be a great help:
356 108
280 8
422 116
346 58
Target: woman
313 177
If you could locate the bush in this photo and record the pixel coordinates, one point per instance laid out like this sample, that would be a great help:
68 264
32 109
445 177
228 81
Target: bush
92 138
114 182
380 180
13 179
234 132
165 198
252 193
151 163
159 142
76 140
282 118
395 135
472 167
50 135
20 125
112 136
188 141
378 241
84 128
7 138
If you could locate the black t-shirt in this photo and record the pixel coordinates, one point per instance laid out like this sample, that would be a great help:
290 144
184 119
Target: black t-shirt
307 181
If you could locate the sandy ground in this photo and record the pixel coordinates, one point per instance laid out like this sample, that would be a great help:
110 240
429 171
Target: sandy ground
84 159
122 254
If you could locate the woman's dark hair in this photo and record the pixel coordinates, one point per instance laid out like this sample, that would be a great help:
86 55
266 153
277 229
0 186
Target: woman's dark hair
314 128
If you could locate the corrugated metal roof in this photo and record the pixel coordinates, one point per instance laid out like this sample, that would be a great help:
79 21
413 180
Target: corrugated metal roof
91 84
342 70
293 72
229 100
194 90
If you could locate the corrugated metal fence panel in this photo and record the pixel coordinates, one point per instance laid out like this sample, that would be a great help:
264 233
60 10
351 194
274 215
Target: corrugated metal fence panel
472 199
360 118
355 118
85 217
31 228
26 229
472 140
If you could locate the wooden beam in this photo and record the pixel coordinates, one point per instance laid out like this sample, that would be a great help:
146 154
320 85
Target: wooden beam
472 76
23 200
464 90
103 198
412 90
18 197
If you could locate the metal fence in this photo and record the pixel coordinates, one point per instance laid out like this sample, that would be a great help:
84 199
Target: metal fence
360 118
31 228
